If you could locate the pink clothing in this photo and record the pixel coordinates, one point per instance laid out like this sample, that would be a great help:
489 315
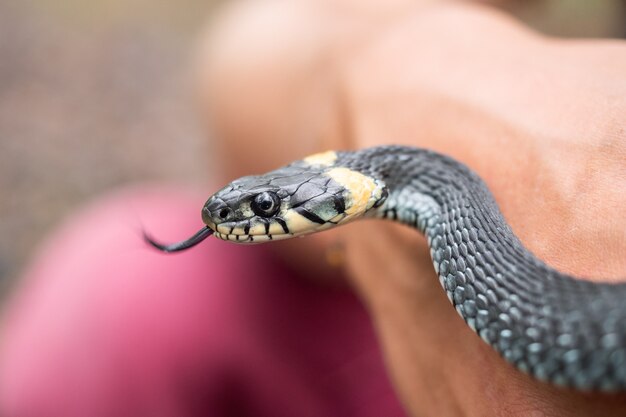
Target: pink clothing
104 325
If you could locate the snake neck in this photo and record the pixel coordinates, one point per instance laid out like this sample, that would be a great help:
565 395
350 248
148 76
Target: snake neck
418 182
557 327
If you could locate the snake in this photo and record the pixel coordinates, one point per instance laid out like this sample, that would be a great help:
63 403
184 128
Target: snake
564 330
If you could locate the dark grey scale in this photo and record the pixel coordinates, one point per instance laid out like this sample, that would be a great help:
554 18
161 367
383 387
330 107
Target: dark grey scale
290 184
556 327
306 192
322 181
293 188
391 214
282 224
313 202
266 224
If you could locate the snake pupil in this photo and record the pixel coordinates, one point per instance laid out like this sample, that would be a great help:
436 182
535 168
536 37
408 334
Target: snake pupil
224 213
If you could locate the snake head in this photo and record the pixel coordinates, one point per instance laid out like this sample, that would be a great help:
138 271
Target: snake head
304 197
283 203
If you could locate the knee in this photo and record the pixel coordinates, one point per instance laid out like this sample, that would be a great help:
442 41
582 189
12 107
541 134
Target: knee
101 320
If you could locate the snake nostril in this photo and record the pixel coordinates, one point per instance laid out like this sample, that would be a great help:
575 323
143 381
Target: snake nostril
224 213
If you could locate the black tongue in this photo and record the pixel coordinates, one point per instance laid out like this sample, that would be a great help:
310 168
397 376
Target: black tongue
178 246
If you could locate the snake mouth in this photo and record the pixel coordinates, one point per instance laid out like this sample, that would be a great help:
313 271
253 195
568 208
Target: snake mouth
250 231
250 239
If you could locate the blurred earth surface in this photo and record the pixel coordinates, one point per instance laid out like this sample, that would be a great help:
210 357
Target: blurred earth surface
95 95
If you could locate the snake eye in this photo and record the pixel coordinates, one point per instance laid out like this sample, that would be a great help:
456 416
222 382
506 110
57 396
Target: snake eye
224 213
265 204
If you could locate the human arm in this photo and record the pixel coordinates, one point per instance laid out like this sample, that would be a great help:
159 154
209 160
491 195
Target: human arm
540 119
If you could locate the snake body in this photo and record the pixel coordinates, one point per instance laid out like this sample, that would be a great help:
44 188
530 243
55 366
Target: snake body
556 327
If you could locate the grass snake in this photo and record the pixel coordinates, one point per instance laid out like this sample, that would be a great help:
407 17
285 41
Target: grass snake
556 327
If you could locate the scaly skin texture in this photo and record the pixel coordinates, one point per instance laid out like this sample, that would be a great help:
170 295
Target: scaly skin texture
540 119
557 327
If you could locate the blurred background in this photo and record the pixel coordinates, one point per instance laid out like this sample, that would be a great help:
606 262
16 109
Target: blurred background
95 95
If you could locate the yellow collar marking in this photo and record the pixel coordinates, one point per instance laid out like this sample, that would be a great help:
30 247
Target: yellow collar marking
364 191
324 158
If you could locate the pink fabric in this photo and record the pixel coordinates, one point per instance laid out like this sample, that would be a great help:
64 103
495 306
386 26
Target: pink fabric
103 325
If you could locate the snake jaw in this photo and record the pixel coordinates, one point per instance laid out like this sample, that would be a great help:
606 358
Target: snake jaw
249 239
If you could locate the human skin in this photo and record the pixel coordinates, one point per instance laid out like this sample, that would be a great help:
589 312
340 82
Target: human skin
541 120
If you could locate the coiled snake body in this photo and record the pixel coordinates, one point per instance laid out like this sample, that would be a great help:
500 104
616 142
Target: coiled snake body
556 327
